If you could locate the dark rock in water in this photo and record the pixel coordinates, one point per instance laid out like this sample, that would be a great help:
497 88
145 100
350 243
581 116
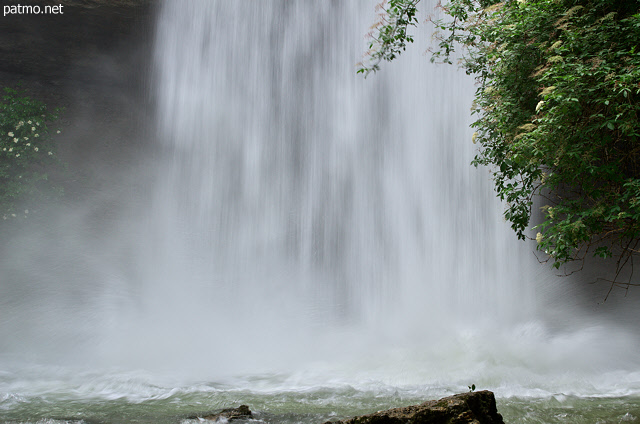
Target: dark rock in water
241 412
465 408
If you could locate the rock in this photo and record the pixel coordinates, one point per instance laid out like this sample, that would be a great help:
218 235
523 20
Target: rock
93 60
241 412
88 41
465 408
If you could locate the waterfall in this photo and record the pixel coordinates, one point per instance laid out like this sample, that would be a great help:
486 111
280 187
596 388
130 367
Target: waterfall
310 198
302 207
304 222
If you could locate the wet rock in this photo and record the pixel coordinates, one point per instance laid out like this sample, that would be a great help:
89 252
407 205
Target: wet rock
241 412
465 408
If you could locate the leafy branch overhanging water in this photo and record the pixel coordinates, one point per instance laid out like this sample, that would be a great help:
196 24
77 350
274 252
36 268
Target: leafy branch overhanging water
556 109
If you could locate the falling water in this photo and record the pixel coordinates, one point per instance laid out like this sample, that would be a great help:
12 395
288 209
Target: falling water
313 200
311 229
314 214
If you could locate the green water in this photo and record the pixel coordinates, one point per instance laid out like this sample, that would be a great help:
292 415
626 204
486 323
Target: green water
314 407
146 403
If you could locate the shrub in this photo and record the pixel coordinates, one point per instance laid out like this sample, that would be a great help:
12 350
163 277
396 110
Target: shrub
27 154
557 107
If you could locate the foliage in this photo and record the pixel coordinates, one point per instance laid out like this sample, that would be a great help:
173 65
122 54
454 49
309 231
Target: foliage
556 111
26 154
392 36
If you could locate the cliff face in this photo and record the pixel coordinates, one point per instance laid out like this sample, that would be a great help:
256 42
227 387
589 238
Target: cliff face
81 41
92 58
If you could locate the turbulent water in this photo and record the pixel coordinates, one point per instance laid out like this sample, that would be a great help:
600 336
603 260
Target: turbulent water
313 244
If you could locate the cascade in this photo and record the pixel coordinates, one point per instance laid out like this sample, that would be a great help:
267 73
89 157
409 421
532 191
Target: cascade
306 223
319 215
308 197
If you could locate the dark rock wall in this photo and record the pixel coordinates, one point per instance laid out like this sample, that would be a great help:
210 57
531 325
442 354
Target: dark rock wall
93 59
90 41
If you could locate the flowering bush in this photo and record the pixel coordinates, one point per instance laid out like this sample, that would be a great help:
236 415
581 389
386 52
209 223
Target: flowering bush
557 106
27 153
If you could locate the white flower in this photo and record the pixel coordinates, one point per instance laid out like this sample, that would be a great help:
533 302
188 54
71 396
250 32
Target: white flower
11 149
35 148
50 153
33 129
37 135
10 134
539 105
15 140
556 44
548 90
58 132
28 144
4 149
550 213
13 215
29 122
26 138
18 155
539 238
